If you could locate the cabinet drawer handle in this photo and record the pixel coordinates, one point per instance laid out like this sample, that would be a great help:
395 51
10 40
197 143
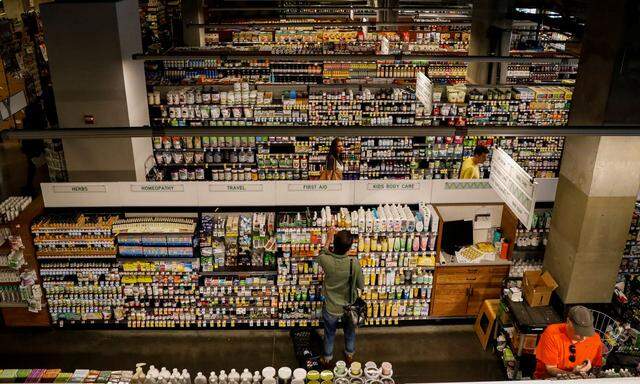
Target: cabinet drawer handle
471 278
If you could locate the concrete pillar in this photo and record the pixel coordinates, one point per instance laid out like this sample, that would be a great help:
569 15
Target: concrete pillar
90 45
597 189
600 176
193 12
490 35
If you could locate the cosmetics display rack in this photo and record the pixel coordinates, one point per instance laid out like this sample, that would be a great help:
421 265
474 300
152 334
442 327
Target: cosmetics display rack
242 158
396 250
630 265
530 245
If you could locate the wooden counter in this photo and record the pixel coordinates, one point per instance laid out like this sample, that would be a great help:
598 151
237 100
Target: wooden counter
460 290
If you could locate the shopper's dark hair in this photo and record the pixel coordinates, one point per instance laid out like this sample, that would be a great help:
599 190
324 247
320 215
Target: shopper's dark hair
333 149
480 150
342 242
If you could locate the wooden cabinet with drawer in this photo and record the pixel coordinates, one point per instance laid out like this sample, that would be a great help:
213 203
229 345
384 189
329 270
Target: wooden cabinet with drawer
460 290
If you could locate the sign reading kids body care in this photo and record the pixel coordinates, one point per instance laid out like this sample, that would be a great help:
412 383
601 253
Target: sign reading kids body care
514 185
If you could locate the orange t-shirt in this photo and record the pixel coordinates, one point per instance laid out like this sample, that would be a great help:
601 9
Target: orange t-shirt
553 349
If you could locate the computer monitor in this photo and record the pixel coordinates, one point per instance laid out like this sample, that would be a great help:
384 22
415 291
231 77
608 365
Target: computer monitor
456 234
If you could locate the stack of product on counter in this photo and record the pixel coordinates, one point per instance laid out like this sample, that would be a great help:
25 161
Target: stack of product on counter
11 207
78 268
395 246
528 252
159 272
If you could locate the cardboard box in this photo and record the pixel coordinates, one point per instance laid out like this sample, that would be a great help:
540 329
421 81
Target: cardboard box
529 342
485 321
537 287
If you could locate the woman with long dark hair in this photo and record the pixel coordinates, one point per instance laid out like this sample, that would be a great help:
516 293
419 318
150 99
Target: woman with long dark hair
334 166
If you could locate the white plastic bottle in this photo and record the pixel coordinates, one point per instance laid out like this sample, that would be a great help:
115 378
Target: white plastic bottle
200 379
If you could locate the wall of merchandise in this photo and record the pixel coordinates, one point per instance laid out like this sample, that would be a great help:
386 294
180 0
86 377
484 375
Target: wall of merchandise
236 269
240 158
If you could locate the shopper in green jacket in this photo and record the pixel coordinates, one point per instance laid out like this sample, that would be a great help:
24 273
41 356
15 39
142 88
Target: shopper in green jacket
337 265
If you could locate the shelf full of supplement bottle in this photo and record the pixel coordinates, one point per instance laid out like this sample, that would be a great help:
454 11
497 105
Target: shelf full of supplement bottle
76 255
386 157
160 293
528 252
318 149
540 156
228 300
470 143
83 292
68 237
300 238
437 157
159 272
282 158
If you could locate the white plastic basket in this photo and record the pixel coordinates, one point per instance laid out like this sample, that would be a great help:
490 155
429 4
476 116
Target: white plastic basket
609 329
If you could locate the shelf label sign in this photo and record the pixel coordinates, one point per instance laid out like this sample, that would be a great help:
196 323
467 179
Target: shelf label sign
157 188
514 185
236 188
424 92
315 187
80 188
386 186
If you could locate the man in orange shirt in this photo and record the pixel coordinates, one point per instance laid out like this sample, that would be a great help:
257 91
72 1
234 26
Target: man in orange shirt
573 346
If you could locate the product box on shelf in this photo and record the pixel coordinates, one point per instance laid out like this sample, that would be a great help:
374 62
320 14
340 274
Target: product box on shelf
537 287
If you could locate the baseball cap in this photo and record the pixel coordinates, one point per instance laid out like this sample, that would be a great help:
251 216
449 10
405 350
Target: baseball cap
582 320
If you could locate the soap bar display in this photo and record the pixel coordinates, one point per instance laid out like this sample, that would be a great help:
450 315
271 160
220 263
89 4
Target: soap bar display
11 207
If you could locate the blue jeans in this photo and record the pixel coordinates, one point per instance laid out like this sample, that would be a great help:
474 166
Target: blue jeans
330 327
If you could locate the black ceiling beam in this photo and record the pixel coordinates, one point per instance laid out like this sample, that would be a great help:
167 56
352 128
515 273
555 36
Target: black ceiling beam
286 130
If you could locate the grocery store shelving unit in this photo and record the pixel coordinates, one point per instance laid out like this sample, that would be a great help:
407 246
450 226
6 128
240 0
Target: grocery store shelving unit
18 315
